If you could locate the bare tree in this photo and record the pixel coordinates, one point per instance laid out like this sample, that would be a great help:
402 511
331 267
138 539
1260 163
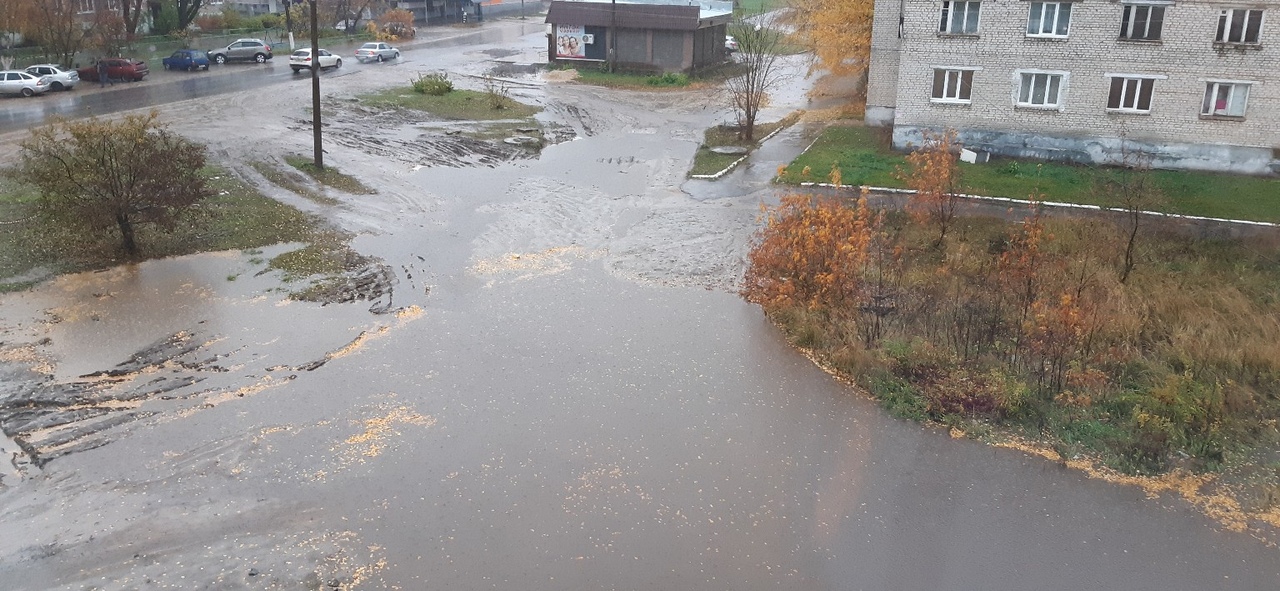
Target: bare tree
188 10
1130 188
759 41
55 26
349 12
114 175
133 11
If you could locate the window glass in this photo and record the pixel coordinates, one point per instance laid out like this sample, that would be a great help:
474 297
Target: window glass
1040 90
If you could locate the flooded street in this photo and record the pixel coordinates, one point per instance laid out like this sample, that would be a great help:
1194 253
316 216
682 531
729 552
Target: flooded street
565 392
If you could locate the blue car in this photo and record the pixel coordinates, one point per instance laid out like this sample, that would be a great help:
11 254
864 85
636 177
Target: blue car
187 59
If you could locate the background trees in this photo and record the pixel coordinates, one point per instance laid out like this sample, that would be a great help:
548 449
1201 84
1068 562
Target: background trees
114 176
838 32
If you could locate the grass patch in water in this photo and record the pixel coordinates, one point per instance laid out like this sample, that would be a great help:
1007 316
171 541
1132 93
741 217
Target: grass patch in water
458 105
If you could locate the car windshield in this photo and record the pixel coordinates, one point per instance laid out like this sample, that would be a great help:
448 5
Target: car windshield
302 53
369 46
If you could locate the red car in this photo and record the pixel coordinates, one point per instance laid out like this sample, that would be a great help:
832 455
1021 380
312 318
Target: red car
118 68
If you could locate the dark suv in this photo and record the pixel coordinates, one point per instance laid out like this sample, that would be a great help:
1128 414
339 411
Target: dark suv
242 49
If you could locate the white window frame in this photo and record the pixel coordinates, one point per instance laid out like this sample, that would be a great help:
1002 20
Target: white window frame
1053 24
1211 88
1127 78
1229 14
959 70
1131 7
1064 80
949 7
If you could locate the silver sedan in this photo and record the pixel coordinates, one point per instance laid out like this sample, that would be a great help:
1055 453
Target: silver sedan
376 52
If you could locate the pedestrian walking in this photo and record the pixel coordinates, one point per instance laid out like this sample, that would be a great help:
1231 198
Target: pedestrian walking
103 75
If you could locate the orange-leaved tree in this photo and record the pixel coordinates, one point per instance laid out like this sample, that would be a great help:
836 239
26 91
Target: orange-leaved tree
934 173
838 32
812 252
395 24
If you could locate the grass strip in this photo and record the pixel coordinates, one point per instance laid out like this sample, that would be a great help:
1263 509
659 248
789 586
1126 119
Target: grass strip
865 158
457 105
330 176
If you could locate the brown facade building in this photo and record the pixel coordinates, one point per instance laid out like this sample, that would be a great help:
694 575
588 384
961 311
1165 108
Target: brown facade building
651 35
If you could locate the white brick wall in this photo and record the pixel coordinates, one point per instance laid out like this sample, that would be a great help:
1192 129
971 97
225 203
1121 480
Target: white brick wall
1185 57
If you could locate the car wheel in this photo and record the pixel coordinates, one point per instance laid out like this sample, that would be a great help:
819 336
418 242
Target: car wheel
221 59
56 86
337 64
396 56
260 58
379 58
296 70
28 92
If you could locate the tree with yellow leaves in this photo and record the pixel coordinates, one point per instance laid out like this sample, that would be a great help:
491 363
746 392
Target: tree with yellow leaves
838 32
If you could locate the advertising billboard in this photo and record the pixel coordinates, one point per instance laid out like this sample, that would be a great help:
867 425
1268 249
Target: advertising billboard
572 41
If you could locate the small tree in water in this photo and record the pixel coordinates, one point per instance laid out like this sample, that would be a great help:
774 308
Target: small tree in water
759 42
105 176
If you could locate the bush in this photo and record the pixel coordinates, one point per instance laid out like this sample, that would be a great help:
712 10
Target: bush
668 79
434 84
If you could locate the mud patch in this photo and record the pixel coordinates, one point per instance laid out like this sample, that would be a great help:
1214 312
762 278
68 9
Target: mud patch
367 281
411 138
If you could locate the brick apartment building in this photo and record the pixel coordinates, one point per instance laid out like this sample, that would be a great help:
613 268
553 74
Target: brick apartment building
1192 83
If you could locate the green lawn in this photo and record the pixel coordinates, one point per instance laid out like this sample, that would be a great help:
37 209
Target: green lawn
238 217
864 158
758 6
460 105
706 162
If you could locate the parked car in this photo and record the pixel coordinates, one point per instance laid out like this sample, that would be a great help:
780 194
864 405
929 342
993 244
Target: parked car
301 60
242 50
59 79
377 52
187 59
730 44
19 82
118 68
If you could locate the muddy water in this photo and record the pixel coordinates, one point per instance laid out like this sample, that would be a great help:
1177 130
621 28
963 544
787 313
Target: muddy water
568 396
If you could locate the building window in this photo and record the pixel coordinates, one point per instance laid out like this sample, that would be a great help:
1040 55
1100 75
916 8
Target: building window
1141 22
952 85
1238 25
959 18
1225 99
83 6
1130 94
1049 19
1041 90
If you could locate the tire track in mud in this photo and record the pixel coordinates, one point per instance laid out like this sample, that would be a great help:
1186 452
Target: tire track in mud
172 378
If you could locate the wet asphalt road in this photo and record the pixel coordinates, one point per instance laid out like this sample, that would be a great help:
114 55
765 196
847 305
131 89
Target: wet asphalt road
163 87
570 396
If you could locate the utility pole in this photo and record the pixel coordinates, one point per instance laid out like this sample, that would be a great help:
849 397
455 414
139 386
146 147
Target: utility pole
288 21
522 17
315 88
613 35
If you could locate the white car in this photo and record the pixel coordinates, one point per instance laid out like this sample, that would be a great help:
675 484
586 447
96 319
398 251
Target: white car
376 51
301 60
59 79
19 82
730 44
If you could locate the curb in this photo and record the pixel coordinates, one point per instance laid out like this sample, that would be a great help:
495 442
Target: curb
735 163
1047 203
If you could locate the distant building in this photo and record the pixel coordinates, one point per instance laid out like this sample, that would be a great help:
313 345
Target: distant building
248 8
654 35
1192 83
429 12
